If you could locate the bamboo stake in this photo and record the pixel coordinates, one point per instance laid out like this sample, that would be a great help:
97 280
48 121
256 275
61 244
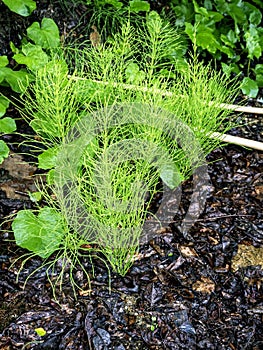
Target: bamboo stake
234 108
244 109
240 141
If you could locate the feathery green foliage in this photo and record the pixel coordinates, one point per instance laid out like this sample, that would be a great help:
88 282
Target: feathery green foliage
128 116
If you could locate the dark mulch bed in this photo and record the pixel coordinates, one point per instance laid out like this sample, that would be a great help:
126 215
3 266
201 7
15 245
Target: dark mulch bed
179 294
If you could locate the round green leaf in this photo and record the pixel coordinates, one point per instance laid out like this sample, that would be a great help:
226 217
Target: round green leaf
46 35
32 56
4 103
170 175
4 151
249 87
40 234
7 125
22 7
18 80
138 5
47 159
3 61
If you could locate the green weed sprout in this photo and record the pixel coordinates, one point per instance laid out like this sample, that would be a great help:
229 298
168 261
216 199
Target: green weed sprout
124 116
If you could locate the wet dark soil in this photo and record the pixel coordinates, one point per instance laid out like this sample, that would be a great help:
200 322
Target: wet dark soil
199 292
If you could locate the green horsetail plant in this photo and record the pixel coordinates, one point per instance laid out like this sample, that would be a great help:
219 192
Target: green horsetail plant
123 117
52 102
107 174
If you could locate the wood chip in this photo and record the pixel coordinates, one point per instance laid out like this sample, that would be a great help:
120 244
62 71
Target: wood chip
247 255
205 285
187 252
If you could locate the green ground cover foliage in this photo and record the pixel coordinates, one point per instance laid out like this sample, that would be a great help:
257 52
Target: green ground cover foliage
97 108
110 118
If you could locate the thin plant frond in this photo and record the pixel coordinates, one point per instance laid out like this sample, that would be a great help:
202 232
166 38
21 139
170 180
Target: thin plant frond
118 136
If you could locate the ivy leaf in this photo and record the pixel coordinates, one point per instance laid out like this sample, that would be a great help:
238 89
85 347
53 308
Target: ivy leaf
133 73
259 74
32 56
7 125
229 52
203 11
259 80
50 177
237 12
4 103
255 15
47 159
46 35
228 69
115 3
18 80
4 151
207 40
230 39
259 69
138 5
3 61
40 234
249 87
35 196
204 37
170 175
253 42
21 7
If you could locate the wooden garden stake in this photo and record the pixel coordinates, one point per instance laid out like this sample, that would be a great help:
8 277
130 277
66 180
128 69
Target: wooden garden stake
240 141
